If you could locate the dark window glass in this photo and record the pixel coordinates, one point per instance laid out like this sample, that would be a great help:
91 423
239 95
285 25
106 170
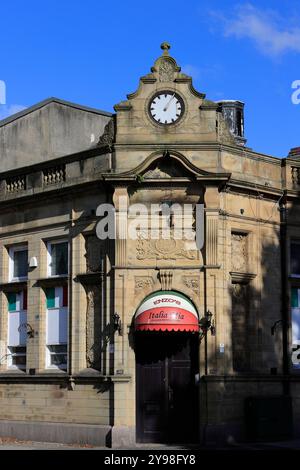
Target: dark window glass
58 355
20 263
18 356
295 258
59 258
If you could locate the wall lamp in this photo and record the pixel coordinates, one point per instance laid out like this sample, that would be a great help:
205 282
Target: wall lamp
206 323
29 329
274 327
117 323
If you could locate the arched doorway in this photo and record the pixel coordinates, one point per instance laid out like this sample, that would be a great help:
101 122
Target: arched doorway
166 348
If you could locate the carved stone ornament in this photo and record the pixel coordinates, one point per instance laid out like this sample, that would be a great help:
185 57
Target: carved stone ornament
165 277
166 168
142 283
192 283
296 175
163 249
93 325
239 252
107 138
238 290
166 71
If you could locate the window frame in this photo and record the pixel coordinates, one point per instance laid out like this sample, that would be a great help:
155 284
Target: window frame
11 355
9 347
62 309
49 244
11 251
64 366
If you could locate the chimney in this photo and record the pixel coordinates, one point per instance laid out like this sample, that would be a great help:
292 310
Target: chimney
233 112
294 153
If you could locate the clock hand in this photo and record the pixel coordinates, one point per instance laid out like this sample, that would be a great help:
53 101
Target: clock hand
168 104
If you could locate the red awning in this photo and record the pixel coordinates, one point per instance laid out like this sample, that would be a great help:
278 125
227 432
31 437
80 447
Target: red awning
166 311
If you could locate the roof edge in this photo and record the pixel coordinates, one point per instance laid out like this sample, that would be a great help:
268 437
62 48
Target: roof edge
43 103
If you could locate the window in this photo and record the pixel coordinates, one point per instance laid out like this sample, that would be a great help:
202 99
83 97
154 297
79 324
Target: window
295 258
57 327
18 263
58 356
57 258
17 329
17 357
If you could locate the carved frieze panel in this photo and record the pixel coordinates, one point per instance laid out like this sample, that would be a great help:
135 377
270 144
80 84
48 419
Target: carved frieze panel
164 249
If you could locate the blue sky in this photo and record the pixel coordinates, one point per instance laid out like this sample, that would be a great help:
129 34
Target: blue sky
93 53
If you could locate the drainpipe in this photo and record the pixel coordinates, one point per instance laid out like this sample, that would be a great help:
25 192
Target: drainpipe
284 296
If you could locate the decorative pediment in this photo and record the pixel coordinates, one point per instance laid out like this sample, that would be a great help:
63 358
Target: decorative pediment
166 168
169 166
164 70
165 66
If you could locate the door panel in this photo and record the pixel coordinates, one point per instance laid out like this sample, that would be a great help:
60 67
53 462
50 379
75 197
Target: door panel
166 364
183 410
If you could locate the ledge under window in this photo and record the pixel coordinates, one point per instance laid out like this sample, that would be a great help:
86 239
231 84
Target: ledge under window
59 377
90 278
54 281
14 286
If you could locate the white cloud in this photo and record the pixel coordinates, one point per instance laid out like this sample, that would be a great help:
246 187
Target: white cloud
7 110
271 34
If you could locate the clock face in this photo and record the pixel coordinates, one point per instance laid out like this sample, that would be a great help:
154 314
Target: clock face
166 107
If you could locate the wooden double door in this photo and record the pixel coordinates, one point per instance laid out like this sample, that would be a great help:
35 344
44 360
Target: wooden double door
166 393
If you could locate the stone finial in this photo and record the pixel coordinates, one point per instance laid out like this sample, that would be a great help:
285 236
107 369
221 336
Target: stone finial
165 46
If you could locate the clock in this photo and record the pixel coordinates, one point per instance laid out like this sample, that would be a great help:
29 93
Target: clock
166 107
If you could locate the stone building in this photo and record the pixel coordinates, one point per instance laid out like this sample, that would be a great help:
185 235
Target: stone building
146 338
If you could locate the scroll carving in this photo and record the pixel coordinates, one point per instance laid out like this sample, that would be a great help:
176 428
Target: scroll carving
107 138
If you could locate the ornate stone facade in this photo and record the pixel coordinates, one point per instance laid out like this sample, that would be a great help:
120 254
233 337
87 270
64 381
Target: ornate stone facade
237 276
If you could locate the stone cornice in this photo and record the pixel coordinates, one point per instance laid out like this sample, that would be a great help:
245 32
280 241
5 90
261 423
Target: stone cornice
208 145
242 278
250 378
